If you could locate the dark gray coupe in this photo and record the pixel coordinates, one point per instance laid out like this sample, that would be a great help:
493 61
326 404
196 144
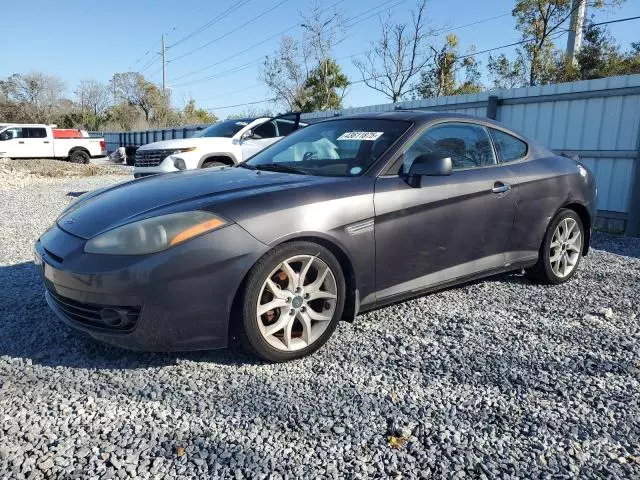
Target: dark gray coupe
343 216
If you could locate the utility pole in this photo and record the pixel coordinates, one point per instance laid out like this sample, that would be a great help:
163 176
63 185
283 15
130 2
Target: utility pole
164 68
574 40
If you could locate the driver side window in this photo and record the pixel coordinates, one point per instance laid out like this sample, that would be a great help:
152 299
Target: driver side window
11 133
265 130
467 144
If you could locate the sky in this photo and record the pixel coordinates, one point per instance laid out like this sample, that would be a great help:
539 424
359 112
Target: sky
219 64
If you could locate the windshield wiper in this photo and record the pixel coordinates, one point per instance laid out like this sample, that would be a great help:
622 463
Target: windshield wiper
245 165
277 167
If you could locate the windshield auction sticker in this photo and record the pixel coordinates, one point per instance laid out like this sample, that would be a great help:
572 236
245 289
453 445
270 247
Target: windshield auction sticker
360 136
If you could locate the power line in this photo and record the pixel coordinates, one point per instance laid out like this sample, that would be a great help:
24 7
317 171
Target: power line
616 21
210 23
484 20
243 104
251 47
220 74
251 87
229 32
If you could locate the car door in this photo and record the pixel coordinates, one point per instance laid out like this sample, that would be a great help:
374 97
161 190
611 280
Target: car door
12 143
268 132
37 143
448 227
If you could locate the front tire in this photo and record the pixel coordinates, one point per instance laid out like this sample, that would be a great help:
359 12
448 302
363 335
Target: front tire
213 164
561 249
292 302
79 156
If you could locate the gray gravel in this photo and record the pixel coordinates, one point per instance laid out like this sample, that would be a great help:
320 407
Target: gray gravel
498 378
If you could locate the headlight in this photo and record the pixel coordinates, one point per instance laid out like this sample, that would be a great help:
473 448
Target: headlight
182 150
154 234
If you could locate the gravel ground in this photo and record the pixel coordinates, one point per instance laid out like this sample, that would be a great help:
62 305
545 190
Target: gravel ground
496 379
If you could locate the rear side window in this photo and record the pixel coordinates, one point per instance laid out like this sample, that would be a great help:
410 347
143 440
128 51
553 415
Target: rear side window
509 147
36 132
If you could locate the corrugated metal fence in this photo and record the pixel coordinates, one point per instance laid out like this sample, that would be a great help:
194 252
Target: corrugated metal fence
597 119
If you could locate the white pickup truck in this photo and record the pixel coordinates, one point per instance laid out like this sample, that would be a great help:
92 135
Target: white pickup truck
39 141
224 143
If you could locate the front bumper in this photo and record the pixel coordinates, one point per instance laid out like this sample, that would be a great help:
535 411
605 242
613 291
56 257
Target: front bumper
181 298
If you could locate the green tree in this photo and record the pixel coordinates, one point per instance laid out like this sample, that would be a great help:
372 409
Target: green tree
440 79
320 90
194 115
600 56
539 21
505 73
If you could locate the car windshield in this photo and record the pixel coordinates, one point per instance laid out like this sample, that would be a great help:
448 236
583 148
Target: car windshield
227 129
337 148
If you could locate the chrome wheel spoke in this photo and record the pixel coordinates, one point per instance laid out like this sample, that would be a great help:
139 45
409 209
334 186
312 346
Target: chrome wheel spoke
291 275
275 289
287 338
321 294
313 315
304 271
276 327
305 320
272 305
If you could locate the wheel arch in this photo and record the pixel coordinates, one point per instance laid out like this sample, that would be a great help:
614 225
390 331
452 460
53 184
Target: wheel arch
585 218
225 158
79 148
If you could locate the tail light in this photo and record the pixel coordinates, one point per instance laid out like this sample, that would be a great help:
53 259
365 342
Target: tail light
103 146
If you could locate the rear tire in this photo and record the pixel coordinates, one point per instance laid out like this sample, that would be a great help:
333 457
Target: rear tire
305 287
561 249
79 156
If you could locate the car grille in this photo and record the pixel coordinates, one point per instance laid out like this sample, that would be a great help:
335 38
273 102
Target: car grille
151 158
106 317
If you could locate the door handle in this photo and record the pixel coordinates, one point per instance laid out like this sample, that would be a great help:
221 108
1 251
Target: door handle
46 141
500 187
20 141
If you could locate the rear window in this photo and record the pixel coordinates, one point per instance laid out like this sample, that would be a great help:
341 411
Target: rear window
509 147
37 132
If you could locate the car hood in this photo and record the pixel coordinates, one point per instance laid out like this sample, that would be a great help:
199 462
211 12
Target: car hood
174 192
186 143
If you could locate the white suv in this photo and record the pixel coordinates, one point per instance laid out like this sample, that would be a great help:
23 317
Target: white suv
224 143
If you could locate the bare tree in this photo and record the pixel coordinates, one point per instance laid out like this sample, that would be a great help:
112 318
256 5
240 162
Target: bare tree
302 75
93 99
35 95
285 73
398 56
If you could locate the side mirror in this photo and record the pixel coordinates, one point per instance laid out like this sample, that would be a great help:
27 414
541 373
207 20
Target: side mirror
429 164
4 136
247 135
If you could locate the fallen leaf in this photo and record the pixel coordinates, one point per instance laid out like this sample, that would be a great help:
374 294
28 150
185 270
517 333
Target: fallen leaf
397 442
180 451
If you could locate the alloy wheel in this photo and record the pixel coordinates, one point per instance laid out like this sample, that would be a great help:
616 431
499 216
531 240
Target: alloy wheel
297 302
565 247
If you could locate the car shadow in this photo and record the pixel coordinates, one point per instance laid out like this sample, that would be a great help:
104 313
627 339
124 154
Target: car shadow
30 331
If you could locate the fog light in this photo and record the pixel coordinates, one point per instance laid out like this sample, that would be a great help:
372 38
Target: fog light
179 163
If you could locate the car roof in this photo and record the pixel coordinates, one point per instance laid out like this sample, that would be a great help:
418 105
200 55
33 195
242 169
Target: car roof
415 116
